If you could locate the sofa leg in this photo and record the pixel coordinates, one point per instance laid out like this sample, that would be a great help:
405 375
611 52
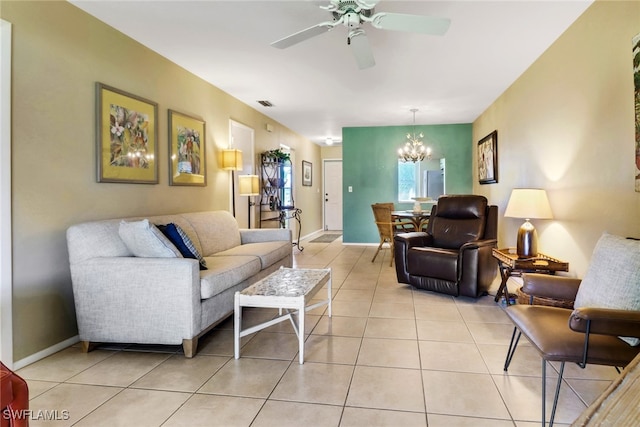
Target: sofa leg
87 346
190 346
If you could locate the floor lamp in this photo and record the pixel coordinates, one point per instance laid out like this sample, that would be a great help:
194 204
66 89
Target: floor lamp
232 161
249 185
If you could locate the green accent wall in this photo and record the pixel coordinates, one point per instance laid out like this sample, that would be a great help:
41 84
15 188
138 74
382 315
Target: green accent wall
370 167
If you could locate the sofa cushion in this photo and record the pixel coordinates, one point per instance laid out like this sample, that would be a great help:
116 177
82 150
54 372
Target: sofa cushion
612 279
181 241
217 230
224 272
268 252
95 239
144 240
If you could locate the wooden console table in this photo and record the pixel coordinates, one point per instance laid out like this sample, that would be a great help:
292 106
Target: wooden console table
511 265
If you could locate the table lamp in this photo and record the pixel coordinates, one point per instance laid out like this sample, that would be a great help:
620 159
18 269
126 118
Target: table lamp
232 161
528 203
249 185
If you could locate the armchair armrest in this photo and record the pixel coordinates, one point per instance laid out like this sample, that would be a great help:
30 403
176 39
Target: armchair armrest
401 245
478 244
410 240
606 321
548 286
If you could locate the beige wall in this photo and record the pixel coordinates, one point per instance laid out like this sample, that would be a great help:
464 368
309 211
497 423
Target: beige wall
60 53
567 125
332 152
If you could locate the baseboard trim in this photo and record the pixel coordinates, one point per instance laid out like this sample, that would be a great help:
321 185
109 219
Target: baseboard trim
46 352
313 233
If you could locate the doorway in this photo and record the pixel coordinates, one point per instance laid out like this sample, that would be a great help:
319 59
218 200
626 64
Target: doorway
332 195
241 137
6 293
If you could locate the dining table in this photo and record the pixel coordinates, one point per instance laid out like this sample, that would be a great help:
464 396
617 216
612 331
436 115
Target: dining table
418 219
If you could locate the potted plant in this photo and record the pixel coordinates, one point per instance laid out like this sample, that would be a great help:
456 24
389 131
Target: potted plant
278 155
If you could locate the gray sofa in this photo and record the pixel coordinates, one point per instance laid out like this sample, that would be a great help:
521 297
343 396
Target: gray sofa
147 300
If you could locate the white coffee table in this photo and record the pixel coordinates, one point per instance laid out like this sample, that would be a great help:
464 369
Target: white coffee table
285 289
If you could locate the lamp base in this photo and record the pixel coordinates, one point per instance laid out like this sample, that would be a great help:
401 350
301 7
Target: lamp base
527 243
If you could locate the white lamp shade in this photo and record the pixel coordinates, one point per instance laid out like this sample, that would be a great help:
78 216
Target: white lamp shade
528 203
232 159
248 185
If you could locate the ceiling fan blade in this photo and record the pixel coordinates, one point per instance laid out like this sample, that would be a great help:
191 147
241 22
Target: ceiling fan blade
367 4
411 23
303 35
361 49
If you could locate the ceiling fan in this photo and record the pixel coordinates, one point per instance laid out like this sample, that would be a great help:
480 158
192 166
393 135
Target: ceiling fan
354 13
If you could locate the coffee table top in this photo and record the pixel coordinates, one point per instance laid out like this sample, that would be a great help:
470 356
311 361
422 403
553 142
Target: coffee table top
288 282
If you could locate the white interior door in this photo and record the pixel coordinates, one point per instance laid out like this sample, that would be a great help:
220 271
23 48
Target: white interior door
241 138
332 194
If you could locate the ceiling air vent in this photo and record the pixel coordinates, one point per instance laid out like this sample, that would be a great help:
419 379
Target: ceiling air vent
265 103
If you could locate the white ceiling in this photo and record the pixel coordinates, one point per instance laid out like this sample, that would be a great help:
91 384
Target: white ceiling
316 87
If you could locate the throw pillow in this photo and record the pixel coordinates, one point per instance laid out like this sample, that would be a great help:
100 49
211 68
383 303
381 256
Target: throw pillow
182 241
145 240
612 279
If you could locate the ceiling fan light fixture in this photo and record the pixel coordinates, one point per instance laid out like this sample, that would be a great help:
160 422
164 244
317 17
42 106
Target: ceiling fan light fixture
352 14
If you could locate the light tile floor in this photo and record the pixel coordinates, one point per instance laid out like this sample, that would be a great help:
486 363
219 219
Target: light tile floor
390 356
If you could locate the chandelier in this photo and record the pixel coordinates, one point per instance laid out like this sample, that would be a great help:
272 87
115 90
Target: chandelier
414 150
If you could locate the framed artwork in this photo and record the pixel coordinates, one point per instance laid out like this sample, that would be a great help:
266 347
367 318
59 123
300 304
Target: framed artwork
186 150
488 159
126 135
307 172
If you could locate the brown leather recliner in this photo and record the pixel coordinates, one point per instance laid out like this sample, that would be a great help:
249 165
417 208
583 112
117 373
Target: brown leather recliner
453 256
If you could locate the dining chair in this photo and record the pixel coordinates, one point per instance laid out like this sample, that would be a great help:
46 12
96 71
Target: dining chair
388 227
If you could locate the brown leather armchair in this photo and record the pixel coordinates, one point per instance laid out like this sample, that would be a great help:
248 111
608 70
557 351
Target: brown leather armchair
453 256
14 399
586 335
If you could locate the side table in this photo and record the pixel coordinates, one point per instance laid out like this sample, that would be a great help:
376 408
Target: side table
511 265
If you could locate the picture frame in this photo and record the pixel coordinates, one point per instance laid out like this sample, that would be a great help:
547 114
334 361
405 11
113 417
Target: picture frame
488 159
307 173
126 137
187 162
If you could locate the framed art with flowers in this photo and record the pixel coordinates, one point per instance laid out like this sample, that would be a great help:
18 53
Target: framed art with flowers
126 134
186 150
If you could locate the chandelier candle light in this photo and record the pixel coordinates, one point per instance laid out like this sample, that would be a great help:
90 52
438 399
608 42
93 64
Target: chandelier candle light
414 150
528 203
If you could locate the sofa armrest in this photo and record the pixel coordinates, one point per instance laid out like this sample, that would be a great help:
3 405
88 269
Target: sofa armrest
140 300
606 321
548 286
257 235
